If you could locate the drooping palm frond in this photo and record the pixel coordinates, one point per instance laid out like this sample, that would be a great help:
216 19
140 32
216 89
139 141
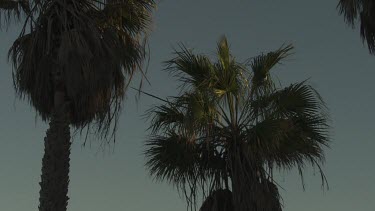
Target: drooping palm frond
13 10
9 5
188 162
350 9
299 123
96 47
364 11
172 157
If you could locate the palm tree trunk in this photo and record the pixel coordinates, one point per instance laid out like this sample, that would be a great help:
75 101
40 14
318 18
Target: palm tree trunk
218 200
242 180
251 190
55 163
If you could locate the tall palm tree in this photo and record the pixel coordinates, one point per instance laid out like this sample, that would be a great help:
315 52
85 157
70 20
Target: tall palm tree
73 60
231 127
364 11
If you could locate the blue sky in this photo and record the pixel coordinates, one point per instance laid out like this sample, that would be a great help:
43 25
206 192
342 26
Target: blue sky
326 50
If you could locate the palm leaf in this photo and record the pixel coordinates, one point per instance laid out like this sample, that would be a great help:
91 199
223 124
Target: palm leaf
165 117
191 69
185 161
261 67
364 11
298 124
13 10
350 9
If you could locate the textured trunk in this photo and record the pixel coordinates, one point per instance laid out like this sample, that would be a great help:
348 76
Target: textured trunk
251 190
242 180
219 200
55 163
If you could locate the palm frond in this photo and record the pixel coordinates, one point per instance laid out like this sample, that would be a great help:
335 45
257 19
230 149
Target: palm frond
364 11
131 16
223 52
261 67
13 10
191 69
172 157
229 79
188 112
165 117
350 9
299 126
187 162
297 99
367 30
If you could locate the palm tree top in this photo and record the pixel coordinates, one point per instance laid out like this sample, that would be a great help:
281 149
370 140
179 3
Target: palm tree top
95 46
222 102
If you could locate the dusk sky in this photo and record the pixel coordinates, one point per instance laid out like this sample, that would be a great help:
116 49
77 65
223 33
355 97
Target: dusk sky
327 51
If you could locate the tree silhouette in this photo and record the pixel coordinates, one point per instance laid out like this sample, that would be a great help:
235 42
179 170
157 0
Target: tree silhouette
231 127
73 61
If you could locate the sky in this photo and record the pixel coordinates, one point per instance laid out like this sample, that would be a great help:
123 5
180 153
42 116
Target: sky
327 51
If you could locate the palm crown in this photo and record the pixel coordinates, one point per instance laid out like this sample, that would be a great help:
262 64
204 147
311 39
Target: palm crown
93 47
231 127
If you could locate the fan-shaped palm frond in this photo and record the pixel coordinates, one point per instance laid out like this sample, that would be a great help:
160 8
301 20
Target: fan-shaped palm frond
195 70
364 11
173 157
297 117
261 66
240 127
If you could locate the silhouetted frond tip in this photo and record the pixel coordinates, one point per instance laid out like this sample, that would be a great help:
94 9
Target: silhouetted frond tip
364 12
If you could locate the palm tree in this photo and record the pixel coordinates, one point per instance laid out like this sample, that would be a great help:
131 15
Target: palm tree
231 127
364 11
73 61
